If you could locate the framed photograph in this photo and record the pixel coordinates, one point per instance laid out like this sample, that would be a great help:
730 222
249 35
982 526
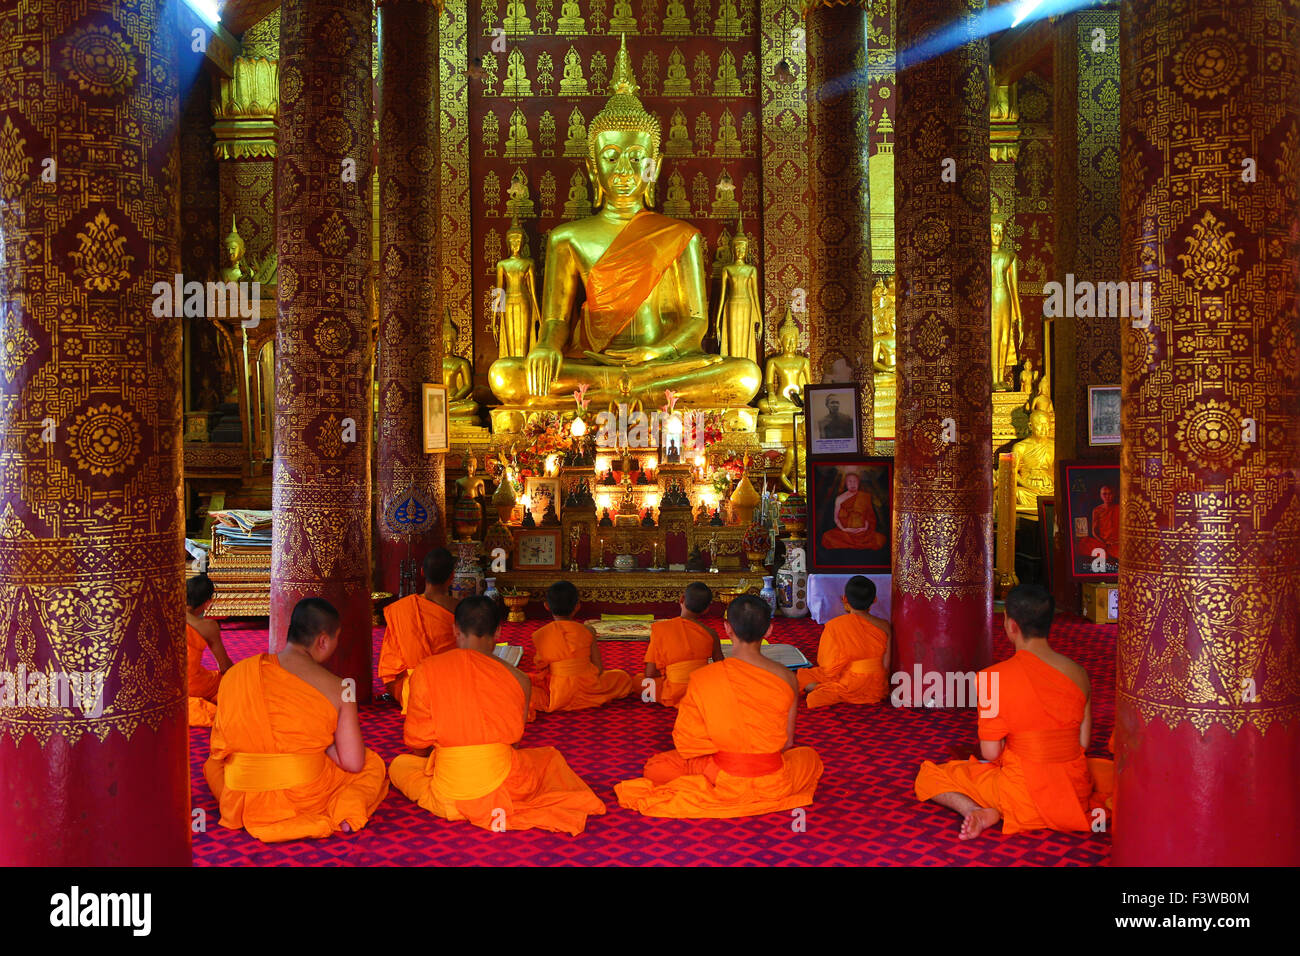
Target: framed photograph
542 492
850 515
832 421
1103 415
1047 535
538 550
1092 501
436 427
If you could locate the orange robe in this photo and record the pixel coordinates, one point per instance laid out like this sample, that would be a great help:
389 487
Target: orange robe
566 678
678 647
202 682
470 709
730 730
417 628
1105 528
269 770
856 514
850 666
1041 779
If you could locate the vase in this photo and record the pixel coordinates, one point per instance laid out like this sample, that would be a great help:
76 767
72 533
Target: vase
466 515
768 593
794 514
792 592
490 590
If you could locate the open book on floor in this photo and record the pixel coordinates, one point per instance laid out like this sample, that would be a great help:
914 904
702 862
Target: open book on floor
512 654
786 654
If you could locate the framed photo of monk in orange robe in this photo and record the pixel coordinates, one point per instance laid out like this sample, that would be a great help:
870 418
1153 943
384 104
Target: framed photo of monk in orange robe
850 513
1092 503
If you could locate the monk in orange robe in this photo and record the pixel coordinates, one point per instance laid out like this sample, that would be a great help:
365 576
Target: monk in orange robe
418 626
467 710
202 633
1035 721
288 761
855 519
852 655
1105 524
570 675
678 647
734 736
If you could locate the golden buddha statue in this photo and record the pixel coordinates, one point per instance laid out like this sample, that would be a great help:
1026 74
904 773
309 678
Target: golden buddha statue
1035 462
727 82
471 484
677 82
579 203
515 310
724 197
575 142
786 373
643 278
235 269
516 20
457 375
622 21
573 83
727 145
676 22
518 143
740 313
520 203
884 349
679 137
1005 295
677 203
570 22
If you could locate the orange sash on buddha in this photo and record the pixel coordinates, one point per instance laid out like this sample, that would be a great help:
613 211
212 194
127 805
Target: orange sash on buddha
730 730
1041 780
849 664
268 769
678 647
623 278
417 628
470 708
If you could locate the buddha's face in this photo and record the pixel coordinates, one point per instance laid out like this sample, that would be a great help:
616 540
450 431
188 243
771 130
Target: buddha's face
621 158
1039 424
996 230
790 343
234 249
741 249
513 242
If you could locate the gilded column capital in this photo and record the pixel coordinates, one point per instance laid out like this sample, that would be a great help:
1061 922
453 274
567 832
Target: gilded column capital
244 107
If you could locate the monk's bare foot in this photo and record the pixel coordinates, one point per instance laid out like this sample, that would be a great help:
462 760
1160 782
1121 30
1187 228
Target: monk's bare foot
808 687
977 821
345 827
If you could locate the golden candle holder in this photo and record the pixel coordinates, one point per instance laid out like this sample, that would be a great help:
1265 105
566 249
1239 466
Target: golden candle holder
516 601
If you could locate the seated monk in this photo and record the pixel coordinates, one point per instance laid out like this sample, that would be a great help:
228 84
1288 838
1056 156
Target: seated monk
852 655
288 762
678 647
419 625
202 633
467 710
570 675
855 519
734 735
1035 721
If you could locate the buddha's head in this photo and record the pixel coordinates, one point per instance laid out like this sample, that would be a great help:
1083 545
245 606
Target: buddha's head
788 334
514 238
1040 424
740 244
234 244
996 230
623 142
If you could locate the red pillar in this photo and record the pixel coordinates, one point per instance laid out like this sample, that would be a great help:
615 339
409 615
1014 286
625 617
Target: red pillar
412 496
943 490
90 410
321 490
1208 699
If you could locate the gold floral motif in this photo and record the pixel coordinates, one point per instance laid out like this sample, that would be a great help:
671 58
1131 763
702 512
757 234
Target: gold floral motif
102 262
17 347
104 439
101 61
1210 261
14 162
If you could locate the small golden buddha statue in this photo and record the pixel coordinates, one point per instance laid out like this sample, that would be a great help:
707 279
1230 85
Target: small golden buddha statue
457 375
740 312
575 141
884 350
727 82
677 82
677 203
1035 462
1005 296
676 22
518 143
579 203
573 83
679 137
727 145
642 277
724 197
520 204
471 484
513 324
786 374
570 22
235 269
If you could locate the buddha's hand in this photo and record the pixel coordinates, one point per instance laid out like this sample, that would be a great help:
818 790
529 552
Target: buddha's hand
633 356
543 367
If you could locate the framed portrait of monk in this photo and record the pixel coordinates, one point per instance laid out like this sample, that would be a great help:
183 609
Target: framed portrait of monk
436 424
850 511
1092 502
832 415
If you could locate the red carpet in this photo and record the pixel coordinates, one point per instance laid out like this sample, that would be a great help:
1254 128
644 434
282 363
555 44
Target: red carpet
865 812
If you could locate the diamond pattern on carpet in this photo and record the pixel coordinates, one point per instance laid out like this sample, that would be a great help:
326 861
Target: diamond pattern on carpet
865 813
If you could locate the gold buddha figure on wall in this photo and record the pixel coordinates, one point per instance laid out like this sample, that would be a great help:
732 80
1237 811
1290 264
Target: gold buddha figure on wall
786 374
641 275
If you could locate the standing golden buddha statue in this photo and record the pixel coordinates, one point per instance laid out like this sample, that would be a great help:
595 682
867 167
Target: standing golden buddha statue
1005 298
642 277
739 315
514 306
